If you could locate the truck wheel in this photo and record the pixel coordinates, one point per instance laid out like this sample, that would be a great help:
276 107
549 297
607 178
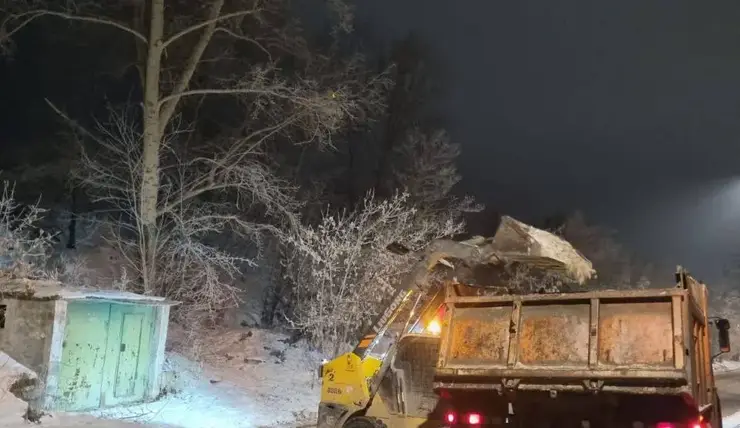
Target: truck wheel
363 422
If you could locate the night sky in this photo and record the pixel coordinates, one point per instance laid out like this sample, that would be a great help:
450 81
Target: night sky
628 110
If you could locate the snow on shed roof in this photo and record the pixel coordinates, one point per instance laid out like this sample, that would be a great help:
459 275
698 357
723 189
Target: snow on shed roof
54 290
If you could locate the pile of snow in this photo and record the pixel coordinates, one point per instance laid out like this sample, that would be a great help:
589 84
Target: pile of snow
13 409
247 378
557 248
726 366
732 421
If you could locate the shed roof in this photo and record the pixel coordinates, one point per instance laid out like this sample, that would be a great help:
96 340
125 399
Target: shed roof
32 289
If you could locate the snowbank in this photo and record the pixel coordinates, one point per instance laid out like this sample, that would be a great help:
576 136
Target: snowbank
248 378
12 408
731 421
726 366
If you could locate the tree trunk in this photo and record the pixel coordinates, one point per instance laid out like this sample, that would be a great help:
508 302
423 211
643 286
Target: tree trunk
72 239
147 215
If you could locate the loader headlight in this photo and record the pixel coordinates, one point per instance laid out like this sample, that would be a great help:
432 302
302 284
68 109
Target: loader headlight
434 327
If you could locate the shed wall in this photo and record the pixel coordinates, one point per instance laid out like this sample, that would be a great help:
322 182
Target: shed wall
28 331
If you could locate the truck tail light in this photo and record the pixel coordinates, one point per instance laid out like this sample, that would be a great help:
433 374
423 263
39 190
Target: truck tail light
474 419
693 424
450 417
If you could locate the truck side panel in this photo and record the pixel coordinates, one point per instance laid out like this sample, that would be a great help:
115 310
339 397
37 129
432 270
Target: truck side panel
636 334
593 335
479 338
554 335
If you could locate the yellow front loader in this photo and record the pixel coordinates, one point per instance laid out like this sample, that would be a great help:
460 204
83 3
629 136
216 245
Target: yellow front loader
386 381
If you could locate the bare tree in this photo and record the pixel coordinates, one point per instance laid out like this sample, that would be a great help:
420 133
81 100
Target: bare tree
192 265
179 47
426 165
426 168
24 247
341 270
616 266
410 94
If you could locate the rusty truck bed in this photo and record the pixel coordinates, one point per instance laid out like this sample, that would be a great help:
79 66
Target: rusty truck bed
603 340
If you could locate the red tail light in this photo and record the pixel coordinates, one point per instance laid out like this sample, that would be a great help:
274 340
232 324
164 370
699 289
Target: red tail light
474 419
673 425
450 417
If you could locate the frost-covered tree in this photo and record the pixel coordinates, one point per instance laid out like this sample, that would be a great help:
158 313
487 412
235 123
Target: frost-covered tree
341 270
24 247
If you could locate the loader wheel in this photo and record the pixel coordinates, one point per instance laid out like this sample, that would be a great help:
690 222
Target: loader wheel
363 422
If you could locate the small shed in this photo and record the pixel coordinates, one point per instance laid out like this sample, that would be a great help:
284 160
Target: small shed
91 349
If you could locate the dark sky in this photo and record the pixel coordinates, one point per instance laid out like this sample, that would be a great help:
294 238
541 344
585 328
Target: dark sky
629 110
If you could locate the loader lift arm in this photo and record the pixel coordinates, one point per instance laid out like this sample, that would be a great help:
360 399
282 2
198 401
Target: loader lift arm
513 242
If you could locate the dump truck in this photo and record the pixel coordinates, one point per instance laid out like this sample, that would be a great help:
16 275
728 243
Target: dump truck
472 351
619 358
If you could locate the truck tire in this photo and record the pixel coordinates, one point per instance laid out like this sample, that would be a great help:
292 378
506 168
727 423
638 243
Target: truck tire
363 422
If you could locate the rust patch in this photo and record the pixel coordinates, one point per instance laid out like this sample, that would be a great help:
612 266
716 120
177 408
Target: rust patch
554 335
636 334
480 336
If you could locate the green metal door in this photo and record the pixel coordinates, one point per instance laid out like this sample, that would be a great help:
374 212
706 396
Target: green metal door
83 356
129 351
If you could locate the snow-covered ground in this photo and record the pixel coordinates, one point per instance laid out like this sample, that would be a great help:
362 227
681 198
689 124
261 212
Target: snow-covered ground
12 409
726 366
246 378
732 421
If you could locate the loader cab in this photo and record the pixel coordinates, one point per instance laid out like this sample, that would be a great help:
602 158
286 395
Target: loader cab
406 390
389 375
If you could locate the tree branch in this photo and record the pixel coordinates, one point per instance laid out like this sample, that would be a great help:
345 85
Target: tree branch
225 91
30 16
73 123
196 54
246 39
211 22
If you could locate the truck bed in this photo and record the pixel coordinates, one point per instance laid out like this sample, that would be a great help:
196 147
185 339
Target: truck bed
632 341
